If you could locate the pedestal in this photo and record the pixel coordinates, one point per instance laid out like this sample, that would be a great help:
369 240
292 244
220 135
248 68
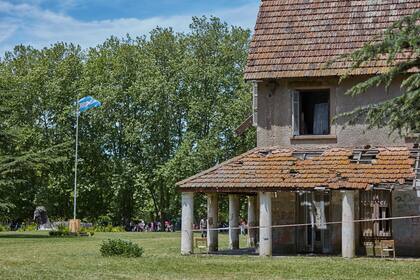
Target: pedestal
74 225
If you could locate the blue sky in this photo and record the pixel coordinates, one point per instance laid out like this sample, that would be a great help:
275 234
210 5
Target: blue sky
89 22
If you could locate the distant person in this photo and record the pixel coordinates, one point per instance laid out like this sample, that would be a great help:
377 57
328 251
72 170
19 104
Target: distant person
242 226
142 225
203 227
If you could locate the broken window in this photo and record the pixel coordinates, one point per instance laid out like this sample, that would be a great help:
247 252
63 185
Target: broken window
311 113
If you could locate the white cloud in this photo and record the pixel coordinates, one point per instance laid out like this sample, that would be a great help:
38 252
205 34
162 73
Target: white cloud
29 24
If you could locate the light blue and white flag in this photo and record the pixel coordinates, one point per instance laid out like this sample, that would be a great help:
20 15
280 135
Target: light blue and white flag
87 103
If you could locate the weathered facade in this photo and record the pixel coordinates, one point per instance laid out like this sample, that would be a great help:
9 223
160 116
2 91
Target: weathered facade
306 169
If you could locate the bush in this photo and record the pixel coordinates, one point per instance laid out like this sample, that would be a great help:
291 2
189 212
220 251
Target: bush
87 231
4 228
119 247
60 232
108 228
30 227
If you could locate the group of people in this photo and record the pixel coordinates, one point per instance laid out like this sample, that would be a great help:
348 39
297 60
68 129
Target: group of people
243 226
153 226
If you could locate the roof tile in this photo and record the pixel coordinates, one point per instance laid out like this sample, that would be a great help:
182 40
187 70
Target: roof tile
296 38
278 168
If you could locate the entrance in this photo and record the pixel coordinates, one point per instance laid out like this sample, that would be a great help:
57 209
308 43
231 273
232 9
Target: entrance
314 209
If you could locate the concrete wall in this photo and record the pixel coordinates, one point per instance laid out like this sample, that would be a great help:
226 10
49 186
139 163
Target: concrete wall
406 233
275 113
284 212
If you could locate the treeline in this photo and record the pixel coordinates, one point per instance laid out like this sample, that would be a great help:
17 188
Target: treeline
170 103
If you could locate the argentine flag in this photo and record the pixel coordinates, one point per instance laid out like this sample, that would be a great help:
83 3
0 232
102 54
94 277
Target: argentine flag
87 103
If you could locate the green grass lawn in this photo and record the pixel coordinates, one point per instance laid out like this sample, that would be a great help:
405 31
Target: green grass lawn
37 256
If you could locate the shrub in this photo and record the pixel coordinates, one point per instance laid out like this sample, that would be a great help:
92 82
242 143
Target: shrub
119 247
61 231
108 228
4 228
30 227
87 231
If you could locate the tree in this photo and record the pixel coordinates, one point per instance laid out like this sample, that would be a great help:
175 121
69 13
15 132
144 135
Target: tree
170 104
400 46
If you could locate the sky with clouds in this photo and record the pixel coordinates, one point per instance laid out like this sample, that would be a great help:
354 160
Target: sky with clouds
89 22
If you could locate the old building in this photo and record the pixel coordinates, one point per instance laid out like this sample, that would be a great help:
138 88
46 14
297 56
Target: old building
306 168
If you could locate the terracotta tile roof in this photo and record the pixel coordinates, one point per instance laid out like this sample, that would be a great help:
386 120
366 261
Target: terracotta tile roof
294 38
334 168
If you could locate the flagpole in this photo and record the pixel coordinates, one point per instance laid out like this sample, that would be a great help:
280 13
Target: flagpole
75 162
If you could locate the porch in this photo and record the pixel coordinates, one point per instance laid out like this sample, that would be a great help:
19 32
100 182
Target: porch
302 201
279 223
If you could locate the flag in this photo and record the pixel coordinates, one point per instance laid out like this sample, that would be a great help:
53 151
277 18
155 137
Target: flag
87 103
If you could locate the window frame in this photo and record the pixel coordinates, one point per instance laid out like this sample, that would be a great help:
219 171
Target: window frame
296 105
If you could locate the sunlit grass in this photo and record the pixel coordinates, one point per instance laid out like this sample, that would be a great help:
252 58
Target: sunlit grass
36 256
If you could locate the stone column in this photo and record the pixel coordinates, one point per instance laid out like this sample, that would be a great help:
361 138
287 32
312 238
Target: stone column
252 221
233 221
265 224
347 227
212 222
187 223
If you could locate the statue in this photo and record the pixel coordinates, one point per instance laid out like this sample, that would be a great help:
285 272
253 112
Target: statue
41 218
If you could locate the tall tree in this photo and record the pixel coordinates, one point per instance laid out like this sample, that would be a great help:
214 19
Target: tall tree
171 102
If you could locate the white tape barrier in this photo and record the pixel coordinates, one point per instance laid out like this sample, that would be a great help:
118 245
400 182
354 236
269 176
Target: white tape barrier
311 224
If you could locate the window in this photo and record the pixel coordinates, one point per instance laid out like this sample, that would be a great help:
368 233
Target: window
311 112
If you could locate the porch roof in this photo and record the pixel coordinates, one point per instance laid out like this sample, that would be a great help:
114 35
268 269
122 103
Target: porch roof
276 168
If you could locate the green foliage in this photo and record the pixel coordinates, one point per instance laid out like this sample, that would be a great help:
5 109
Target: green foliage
171 103
400 46
108 228
88 231
63 231
29 227
119 247
4 228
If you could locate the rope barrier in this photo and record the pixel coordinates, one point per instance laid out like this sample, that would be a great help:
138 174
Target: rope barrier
309 224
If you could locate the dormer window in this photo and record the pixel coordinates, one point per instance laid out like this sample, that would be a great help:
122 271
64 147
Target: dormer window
311 112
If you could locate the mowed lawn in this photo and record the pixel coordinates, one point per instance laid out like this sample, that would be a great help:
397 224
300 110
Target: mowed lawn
37 256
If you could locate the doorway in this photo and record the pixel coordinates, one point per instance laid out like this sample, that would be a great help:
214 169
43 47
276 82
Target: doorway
314 211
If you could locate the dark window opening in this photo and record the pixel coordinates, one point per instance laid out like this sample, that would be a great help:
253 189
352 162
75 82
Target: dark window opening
314 110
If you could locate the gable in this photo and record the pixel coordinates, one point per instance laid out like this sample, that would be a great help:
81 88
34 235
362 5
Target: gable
295 38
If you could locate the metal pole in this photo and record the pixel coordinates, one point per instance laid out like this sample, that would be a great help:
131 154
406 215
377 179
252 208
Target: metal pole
75 162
